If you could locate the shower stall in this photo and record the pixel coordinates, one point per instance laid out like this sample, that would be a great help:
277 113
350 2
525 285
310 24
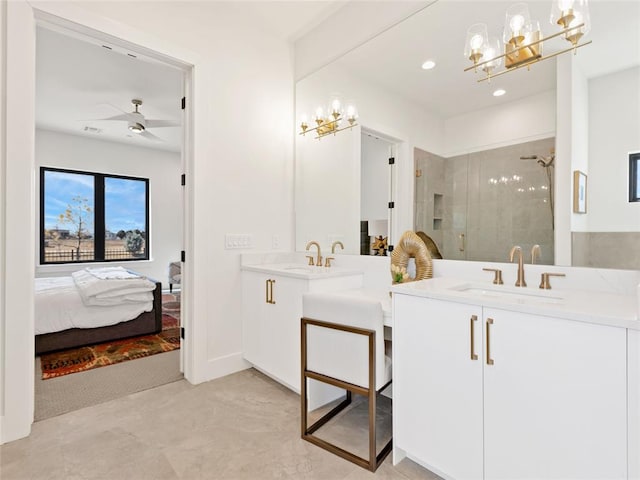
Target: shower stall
476 206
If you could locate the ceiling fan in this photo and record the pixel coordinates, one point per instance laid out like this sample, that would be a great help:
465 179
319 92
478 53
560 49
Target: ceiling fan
138 124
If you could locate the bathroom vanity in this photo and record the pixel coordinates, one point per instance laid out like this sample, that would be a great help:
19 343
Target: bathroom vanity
497 382
272 308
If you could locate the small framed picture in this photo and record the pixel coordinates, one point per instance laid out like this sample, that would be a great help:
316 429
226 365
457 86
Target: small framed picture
579 192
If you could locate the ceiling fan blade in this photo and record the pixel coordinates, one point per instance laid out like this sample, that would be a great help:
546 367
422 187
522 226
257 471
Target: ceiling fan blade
150 136
126 117
160 123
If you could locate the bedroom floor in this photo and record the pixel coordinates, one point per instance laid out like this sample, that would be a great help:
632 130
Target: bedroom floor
56 396
243 426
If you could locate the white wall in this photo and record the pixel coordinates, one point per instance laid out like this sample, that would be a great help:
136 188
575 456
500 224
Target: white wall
240 180
614 132
163 169
579 138
523 120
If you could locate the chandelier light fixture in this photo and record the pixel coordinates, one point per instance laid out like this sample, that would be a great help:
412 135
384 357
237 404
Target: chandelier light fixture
522 39
332 121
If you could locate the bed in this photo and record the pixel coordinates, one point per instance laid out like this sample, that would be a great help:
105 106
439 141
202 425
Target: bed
69 316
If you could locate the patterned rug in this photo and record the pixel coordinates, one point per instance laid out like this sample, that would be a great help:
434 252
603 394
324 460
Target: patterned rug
81 359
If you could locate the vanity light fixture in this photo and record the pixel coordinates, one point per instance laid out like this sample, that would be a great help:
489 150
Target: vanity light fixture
428 65
331 122
522 38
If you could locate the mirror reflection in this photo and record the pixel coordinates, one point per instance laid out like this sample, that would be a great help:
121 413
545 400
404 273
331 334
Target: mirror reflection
482 165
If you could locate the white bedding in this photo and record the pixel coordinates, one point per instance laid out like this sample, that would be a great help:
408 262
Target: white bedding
59 306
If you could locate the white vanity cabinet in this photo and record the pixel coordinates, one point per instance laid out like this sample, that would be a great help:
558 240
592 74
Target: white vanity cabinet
271 312
437 388
272 307
546 397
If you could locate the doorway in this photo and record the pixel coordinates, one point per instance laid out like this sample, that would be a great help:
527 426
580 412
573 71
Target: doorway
121 116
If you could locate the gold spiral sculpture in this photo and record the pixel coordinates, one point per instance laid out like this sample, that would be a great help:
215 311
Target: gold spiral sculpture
412 246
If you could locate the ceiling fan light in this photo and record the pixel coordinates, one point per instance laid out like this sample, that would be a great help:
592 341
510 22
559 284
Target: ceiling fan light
136 128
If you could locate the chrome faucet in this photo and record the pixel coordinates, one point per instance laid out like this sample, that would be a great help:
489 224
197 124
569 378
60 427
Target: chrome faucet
319 256
520 282
336 244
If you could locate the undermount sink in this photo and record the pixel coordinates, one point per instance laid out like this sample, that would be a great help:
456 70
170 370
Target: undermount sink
508 293
303 269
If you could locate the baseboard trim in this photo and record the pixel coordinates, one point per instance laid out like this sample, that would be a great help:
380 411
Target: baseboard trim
226 365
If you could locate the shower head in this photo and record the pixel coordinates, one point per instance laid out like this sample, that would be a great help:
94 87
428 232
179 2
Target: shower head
544 161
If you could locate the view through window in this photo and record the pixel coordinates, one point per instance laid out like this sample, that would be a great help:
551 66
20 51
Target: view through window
89 217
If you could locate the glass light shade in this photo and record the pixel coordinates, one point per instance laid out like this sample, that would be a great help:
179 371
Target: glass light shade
491 50
580 17
335 108
352 112
563 12
319 115
517 24
476 38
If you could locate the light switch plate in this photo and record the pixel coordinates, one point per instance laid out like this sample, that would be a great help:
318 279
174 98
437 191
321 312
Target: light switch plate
238 240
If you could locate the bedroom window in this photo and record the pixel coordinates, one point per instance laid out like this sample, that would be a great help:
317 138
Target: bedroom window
634 177
92 217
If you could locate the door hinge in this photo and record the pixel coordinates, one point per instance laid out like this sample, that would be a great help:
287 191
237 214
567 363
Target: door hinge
391 205
182 333
392 160
184 103
183 179
183 256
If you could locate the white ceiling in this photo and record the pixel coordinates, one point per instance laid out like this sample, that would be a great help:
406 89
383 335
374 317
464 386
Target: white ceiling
78 82
393 59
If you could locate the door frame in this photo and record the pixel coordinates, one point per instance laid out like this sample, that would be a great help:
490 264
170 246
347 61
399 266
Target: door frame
17 296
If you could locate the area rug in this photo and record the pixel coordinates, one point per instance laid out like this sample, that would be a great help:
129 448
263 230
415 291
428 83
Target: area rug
81 359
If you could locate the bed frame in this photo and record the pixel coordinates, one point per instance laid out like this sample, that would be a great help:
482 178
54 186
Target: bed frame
146 323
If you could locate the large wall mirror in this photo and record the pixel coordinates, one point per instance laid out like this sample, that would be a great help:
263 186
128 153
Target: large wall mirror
476 171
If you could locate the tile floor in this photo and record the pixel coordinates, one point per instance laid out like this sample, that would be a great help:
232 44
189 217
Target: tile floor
243 426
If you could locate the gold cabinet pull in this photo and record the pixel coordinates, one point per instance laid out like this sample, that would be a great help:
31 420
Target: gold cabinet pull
271 300
472 321
461 239
266 294
489 359
269 292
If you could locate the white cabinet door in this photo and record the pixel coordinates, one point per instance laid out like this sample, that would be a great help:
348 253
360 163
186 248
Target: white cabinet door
280 331
554 399
271 311
437 386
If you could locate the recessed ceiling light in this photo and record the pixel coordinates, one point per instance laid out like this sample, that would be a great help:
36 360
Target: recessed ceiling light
428 65
499 92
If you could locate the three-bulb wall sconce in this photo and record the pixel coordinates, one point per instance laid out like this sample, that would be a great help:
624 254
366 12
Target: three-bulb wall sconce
522 38
332 121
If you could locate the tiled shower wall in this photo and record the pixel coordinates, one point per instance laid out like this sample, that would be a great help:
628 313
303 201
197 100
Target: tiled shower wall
490 201
606 250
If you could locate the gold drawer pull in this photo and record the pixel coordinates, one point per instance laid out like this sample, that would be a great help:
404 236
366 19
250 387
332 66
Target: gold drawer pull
472 320
271 300
489 359
267 283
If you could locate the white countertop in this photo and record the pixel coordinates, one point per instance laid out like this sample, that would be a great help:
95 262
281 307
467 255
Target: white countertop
296 270
587 306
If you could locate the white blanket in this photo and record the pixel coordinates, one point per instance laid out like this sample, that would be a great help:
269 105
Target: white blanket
96 291
59 306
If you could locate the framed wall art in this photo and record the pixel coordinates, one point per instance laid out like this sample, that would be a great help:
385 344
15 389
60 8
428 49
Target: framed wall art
579 192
